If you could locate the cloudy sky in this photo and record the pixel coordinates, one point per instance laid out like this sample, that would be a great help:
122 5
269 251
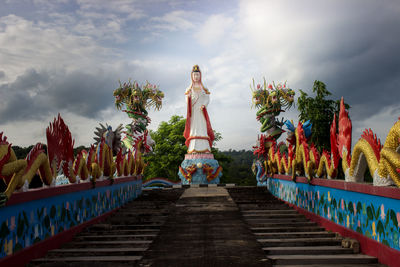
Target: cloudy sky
66 56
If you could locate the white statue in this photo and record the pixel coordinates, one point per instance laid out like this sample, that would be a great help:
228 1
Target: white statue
198 131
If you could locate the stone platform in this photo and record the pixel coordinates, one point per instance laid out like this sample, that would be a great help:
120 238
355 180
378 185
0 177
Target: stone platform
205 229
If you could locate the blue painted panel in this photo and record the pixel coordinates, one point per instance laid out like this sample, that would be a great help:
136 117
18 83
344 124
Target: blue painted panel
24 224
373 216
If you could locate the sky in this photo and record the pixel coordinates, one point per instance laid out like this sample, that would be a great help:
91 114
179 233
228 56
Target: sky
67 56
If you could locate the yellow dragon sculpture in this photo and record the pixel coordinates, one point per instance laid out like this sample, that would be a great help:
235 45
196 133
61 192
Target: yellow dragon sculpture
383 161
17 173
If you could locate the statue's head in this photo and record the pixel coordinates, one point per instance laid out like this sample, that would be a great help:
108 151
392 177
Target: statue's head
196 74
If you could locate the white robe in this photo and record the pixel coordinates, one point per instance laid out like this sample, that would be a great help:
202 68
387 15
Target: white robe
198 124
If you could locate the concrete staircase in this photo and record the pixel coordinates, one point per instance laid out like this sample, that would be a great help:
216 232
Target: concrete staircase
206 227
287 237
122 239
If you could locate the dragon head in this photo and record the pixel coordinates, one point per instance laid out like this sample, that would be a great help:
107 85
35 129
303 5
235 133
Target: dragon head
156 98
287 97
122 94
135 100
260 96
273 97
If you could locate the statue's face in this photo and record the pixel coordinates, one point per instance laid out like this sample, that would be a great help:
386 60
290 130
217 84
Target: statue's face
196 76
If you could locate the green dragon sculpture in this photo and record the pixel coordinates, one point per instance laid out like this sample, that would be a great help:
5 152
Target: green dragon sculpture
271 100
137 100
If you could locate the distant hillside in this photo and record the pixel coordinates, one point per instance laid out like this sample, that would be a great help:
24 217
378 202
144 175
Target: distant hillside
239 169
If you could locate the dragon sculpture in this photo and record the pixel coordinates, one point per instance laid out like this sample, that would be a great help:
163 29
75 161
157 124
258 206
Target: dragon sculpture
112 138
137 99
18 173
259 171
304 159
271 100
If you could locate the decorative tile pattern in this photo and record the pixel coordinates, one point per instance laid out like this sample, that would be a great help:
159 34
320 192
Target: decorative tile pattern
27 223
373 216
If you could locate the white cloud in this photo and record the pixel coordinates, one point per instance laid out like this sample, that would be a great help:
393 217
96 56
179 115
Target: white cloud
215 28
380 123
128 7
25 45
177 20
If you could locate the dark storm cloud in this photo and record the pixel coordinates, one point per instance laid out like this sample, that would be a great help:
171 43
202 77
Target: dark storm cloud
358 57
35 95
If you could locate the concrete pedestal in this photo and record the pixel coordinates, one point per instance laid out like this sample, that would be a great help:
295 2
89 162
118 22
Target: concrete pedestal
200 168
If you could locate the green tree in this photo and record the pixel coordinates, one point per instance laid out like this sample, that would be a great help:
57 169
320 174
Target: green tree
169 150
320 111
238 170
21 152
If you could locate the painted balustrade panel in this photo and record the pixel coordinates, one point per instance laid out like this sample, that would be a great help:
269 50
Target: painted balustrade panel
376 217
27 223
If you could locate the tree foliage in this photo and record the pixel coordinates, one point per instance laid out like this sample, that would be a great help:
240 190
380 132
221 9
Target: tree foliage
22 152
169 150
238 170
320 111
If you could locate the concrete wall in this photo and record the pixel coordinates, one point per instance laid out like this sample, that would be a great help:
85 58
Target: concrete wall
37 215
363 211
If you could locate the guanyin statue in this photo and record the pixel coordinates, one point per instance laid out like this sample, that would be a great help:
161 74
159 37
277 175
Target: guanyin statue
199 166
198 131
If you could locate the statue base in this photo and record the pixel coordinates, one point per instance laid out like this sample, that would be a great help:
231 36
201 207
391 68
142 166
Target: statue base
200 168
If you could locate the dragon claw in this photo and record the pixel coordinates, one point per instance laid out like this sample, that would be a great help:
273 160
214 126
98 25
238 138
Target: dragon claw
3 199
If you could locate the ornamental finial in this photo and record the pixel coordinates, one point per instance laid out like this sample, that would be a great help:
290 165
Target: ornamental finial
196 68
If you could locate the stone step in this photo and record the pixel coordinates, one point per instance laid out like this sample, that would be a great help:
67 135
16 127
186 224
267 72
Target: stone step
322 259
145 212
146 209
151 206
135 213
320 250
121 231
276 235
300 242
136 226
134 220
281 224
275 220
115 237
90 260
335 265
273 215
111 244
262 206
137 204
261 211
79 252
286 229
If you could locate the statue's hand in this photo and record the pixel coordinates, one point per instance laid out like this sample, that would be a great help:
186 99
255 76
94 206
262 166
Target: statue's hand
203 107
